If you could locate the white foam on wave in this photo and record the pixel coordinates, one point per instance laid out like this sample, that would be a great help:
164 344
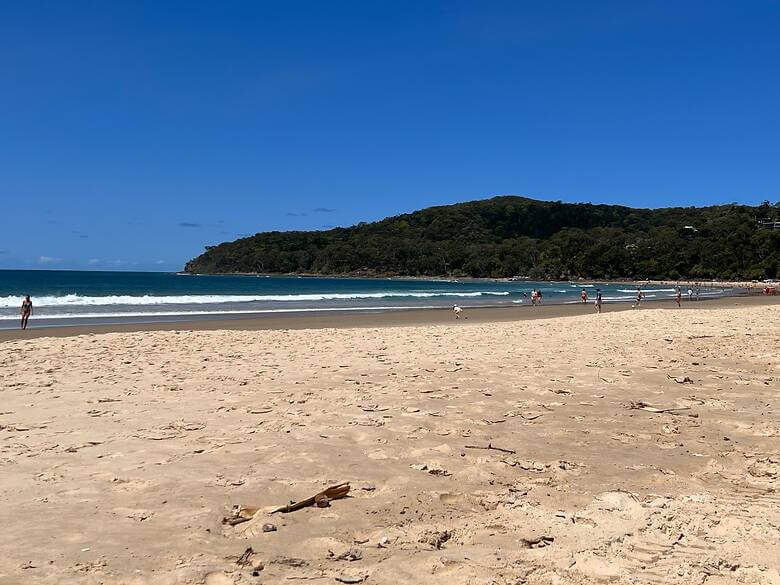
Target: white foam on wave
74 300
644 290
123 314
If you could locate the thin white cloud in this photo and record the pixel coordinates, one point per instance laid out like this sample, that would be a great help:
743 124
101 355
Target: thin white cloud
93 261
160 262
48 260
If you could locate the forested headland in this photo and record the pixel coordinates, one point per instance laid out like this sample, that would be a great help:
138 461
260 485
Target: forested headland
516 236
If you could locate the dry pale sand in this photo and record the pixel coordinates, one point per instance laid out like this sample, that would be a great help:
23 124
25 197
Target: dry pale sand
120 453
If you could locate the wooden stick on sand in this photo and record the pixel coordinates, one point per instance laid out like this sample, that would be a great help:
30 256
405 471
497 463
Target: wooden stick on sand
321 499
491 448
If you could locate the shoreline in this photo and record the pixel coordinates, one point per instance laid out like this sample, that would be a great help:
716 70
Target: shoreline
379 319
706 283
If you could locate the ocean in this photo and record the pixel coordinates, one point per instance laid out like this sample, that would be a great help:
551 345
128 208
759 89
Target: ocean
79 297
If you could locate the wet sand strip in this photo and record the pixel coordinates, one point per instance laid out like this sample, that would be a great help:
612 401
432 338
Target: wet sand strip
359 319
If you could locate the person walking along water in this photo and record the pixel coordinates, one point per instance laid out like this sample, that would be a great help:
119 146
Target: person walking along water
638 297
26 311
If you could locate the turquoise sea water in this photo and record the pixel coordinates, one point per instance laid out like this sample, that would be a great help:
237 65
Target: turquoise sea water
73 297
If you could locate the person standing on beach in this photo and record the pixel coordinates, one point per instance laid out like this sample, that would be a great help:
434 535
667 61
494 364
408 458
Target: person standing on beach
598 301
27 310
690 294
584 296
457 310
678 295
539 297
638 297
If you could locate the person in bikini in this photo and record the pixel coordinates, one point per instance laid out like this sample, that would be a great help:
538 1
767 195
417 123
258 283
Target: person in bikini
27 310
584 296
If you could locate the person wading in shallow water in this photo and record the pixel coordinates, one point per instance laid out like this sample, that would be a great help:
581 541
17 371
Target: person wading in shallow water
27 310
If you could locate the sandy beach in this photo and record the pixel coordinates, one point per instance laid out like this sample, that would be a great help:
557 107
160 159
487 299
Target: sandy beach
633 447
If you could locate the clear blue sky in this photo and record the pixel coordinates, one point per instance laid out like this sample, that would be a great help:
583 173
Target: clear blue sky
134 133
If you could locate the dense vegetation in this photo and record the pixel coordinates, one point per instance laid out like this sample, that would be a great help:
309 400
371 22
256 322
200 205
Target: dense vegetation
508 236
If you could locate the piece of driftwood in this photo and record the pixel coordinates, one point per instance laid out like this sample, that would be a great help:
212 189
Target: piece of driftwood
320 499
647 408
490 448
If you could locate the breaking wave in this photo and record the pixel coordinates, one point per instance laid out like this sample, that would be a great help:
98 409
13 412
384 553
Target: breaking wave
645 290
215 313
146 300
